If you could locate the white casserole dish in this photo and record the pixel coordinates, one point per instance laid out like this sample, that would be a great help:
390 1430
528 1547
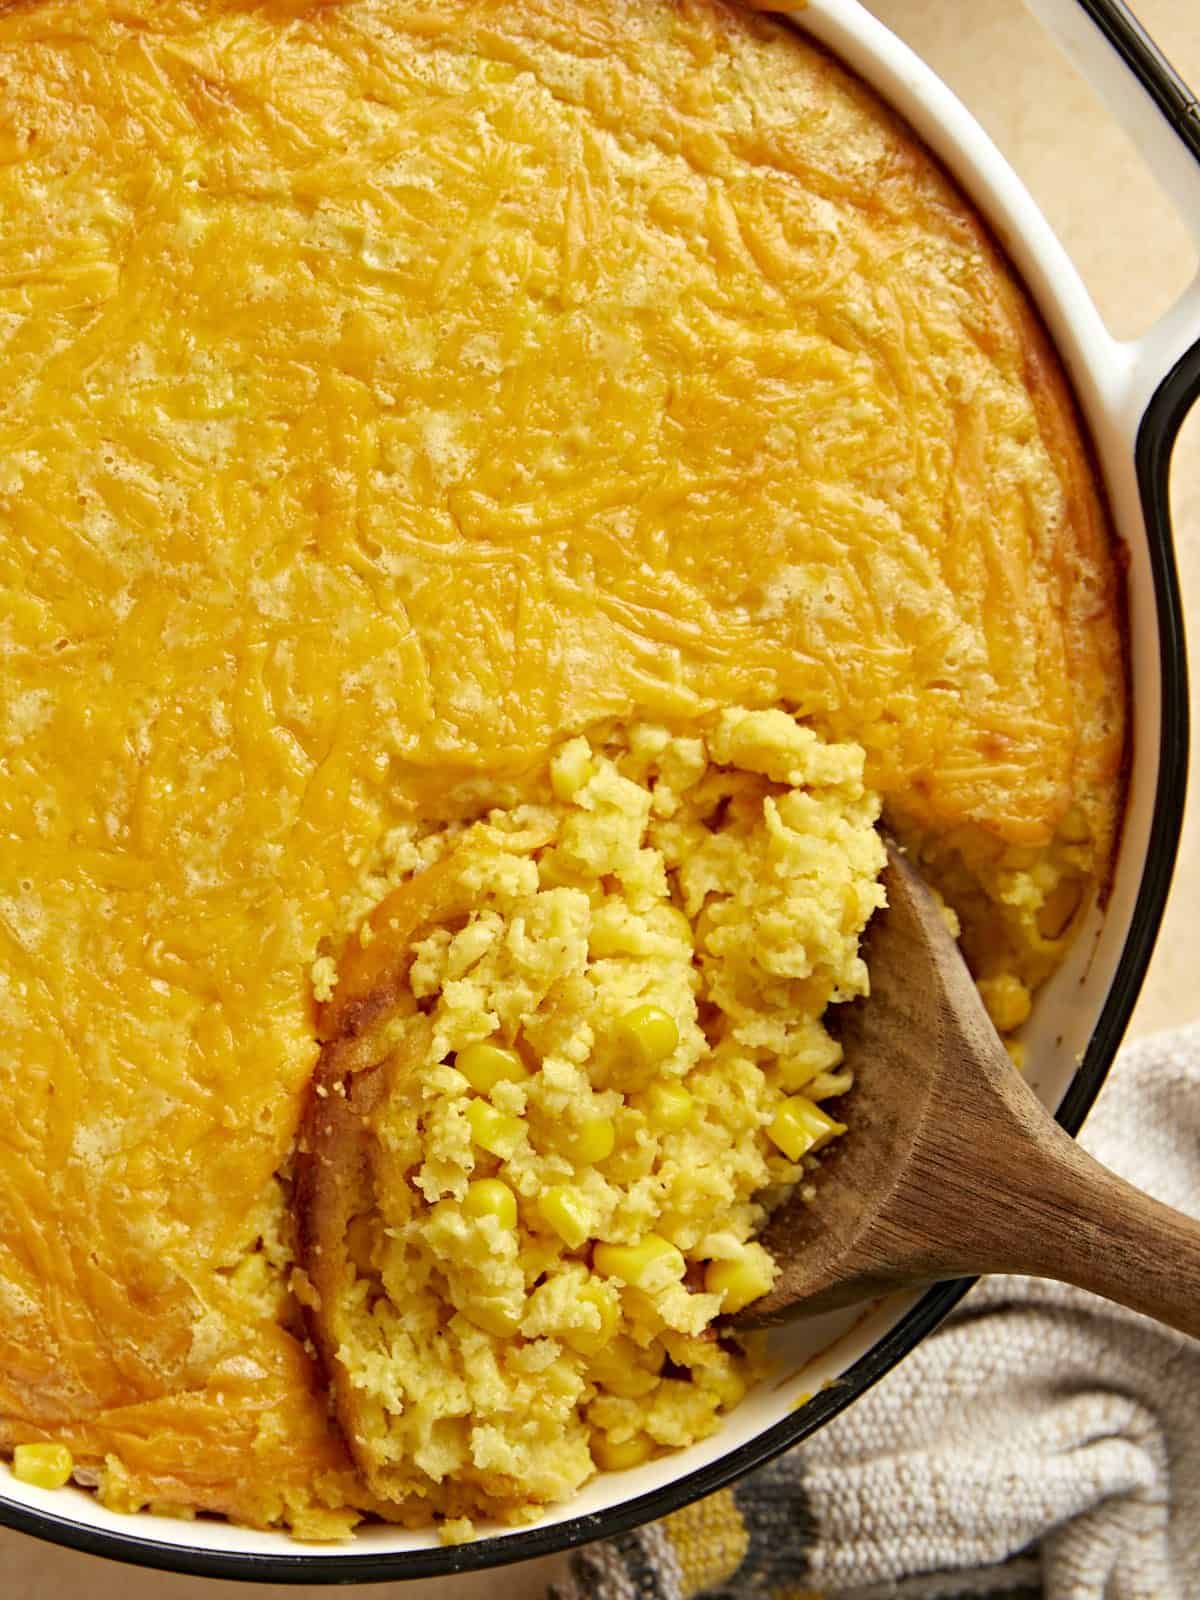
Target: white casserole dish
1133 397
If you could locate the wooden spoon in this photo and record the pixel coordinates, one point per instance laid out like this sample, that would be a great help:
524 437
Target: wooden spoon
952 1167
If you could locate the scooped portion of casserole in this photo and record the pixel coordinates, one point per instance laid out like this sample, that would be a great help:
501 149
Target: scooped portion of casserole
394 391
566 1068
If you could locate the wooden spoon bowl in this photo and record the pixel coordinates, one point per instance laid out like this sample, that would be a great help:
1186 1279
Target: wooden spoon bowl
952 1166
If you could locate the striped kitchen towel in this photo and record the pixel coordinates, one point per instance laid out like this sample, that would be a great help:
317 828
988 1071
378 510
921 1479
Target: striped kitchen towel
1042 1445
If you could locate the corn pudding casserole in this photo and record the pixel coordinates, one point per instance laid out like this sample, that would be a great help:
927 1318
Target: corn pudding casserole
494 500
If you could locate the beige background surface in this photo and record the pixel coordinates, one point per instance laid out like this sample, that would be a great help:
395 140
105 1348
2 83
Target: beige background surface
1135 257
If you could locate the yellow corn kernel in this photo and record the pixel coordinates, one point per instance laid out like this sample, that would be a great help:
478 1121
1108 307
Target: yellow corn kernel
728 1385
801 1127
626 1370
1059 908
1007 999
493 1130
488 1197
589 1341
1016 1052
651 1264
484 1065
493 1317
593 1140
567 1211
46 1466
793 1073
742 1279
649 1034
455 1530
828 1084
571 766
669 1106
613 1455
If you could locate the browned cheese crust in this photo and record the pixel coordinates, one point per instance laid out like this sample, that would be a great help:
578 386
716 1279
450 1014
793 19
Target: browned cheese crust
390 390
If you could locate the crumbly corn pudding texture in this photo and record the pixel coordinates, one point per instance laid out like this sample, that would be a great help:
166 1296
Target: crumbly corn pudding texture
566 1070
434 435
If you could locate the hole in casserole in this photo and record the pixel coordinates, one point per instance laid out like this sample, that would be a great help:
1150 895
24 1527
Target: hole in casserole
565 1070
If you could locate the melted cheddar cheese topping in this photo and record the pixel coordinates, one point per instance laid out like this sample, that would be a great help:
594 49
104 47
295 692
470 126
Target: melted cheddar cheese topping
392 389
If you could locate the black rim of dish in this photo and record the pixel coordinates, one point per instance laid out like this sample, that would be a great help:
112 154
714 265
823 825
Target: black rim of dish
1157 432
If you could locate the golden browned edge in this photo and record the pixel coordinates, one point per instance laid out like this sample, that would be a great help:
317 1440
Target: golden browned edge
1098 547
1098 660
332 1186
334 1181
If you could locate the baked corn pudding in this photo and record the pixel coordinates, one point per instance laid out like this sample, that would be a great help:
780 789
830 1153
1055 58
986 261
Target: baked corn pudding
566 1066
496 500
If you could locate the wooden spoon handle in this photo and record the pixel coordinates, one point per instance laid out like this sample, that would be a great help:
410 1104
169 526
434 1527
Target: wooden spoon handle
952 1166
1096 1231
1040 1205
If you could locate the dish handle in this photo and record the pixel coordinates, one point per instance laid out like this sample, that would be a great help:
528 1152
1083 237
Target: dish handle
1112 50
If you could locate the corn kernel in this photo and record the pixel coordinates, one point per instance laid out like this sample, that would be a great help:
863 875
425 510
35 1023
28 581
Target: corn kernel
801 1127
741 1280
613 1455
488 1197
493 1130
593 1140
567 1211
828 1084
493 1317
1059 908
626 1370
590 1341
793 1073
649 1034
669 1106
814 1053
728 1385
571 766
651 1264
1007 1000
46 1466
456 1530
484 1065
